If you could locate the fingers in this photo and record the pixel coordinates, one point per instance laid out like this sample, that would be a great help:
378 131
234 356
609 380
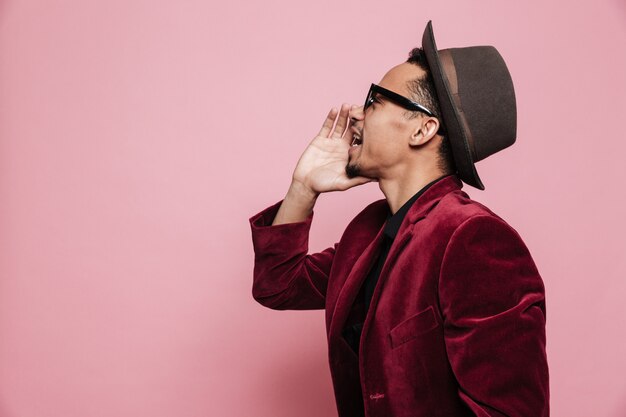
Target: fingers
328 123
342 122
340 127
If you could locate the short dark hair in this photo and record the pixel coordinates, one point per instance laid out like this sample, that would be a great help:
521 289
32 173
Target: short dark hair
423 92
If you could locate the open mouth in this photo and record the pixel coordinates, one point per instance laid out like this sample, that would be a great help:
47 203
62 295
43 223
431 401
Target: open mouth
356 140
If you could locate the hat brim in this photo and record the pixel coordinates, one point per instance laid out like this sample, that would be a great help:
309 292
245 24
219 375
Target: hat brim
454 129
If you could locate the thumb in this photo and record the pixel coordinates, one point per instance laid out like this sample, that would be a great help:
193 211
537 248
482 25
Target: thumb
352 182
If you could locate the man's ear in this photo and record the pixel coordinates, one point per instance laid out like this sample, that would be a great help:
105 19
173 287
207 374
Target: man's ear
424 131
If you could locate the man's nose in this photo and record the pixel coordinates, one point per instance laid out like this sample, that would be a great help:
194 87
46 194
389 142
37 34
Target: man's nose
356 113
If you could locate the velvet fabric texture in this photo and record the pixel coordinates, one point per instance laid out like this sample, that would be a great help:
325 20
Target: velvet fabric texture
456 325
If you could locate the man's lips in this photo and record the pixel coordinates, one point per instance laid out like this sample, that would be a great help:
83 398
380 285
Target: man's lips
357 139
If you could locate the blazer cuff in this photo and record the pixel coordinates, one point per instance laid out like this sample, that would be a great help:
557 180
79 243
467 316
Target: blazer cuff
267 238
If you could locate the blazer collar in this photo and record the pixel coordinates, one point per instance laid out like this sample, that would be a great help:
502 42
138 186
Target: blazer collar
394 221
432 195
429 199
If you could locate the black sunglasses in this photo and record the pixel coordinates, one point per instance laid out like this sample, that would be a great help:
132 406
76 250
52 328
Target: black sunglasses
396 98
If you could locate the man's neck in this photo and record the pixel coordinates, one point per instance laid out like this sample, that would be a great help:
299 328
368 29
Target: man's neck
399 191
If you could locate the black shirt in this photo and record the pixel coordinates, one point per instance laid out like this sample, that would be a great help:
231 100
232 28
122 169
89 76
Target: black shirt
352 333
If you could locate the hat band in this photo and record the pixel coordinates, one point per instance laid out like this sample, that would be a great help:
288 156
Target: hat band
449 69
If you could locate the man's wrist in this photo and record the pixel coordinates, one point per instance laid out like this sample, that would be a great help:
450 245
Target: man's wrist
297 204
301 192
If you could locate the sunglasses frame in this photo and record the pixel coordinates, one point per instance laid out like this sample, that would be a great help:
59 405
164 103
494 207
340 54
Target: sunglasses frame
396 98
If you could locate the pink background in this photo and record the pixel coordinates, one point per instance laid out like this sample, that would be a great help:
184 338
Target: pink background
137 137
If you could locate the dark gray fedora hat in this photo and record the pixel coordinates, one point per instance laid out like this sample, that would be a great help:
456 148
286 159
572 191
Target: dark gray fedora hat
477 100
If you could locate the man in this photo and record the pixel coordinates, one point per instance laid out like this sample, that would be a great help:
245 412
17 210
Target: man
434 306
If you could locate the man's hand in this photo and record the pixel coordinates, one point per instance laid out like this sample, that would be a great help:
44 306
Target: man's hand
322 166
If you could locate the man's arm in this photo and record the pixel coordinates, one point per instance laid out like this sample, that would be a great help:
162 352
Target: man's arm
297 205
285 276
493 303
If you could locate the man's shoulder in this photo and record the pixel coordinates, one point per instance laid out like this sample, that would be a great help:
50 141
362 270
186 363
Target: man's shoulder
459 212
460 207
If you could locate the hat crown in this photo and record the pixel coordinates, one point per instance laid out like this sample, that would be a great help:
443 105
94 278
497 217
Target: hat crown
486 98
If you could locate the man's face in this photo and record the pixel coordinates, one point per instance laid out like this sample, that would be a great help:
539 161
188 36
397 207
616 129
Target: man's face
384 129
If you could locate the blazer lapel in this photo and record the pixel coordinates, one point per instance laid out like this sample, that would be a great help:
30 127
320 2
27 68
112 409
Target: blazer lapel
418 211
353 283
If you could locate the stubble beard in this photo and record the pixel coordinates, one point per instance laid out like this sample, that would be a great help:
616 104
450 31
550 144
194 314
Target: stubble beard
353 170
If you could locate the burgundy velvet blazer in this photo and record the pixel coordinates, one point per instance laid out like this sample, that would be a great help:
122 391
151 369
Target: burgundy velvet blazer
456 325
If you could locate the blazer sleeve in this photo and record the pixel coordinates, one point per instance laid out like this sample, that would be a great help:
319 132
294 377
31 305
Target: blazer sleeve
285 276
492 300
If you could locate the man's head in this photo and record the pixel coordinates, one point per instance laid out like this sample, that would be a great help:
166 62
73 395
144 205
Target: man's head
397 141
